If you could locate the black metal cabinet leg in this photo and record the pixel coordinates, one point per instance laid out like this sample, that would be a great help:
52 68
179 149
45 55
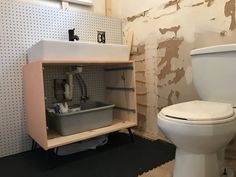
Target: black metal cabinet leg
51 159
131 135
34 145
56 150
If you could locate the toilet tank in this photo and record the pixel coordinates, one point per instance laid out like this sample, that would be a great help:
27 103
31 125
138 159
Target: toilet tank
214 73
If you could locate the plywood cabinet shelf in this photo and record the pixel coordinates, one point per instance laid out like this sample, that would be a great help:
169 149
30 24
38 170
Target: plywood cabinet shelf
114 77
58 140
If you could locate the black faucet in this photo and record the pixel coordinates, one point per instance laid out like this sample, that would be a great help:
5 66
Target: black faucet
72 35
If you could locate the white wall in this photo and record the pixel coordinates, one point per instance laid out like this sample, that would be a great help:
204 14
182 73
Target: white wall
125 8
97 8
120 8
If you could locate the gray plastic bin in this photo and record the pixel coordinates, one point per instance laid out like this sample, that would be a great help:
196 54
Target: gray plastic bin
93 115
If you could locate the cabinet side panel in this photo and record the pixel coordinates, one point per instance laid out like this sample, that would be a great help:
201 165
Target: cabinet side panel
35 104
122 98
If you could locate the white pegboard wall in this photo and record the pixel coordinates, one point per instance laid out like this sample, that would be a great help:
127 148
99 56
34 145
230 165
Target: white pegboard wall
22 24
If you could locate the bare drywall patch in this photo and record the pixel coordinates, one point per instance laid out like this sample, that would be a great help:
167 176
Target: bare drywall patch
162 15
172 51
174 29
230 12
223 33
142 14
169 97
177 94
209 2
173 3
179 74
173 95
198 4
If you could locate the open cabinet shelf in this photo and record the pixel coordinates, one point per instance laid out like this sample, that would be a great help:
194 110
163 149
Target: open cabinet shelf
119 89
58 140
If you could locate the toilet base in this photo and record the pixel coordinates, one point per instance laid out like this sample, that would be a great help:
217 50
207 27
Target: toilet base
195 165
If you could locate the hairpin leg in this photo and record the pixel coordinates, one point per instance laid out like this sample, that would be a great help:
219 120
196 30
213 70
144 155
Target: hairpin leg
131 135
34 145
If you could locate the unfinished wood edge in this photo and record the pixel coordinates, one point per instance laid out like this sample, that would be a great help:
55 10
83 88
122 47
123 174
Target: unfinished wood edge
86 61
129 40
108 8
135 93
35 105
25 95
64 140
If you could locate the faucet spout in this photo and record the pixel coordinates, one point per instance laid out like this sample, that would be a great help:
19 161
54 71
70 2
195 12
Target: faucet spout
76 37
72 35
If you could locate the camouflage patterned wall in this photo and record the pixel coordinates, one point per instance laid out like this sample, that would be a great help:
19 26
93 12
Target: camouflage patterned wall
163 37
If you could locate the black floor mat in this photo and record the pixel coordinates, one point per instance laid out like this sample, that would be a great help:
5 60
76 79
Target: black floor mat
119 158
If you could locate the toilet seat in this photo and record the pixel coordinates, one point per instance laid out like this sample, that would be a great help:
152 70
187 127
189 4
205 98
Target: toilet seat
199 112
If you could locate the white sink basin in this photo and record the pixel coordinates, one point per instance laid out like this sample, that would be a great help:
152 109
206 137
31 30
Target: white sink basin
75 51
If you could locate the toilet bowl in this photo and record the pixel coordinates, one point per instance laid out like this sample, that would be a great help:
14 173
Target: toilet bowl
199 129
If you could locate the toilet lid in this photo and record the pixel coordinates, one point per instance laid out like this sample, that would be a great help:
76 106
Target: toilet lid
199 111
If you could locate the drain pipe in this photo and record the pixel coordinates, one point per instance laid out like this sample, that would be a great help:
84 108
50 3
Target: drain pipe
70 86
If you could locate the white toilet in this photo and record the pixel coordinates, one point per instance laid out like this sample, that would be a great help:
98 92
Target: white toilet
201 129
